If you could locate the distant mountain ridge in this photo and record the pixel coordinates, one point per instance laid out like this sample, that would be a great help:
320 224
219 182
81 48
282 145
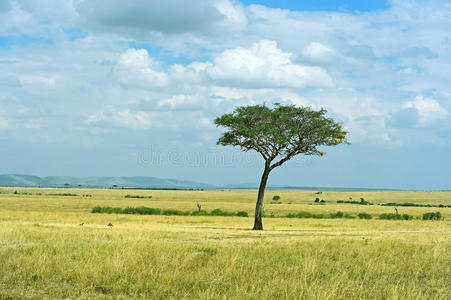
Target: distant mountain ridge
143 182
252 186
13 180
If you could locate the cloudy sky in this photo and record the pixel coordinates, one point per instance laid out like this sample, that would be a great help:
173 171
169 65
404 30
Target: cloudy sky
123 88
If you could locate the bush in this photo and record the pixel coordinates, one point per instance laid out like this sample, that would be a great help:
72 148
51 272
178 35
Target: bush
337 215
432 216
365 216
96 209
319 216
391 216
322 201
218 212
117 210
276 198
414 204
355 202
308 215
142 210
128 210
199 213
137 197
172 212
242 214
304 214
317 200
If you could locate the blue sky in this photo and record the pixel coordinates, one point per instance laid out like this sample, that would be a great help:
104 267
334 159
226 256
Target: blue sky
112 89
330 6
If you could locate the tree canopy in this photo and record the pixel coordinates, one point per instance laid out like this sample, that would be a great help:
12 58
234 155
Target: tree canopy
280 132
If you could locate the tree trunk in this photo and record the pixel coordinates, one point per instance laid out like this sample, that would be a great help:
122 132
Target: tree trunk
258 224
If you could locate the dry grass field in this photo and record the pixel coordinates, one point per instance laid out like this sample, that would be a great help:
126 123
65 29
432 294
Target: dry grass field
46 254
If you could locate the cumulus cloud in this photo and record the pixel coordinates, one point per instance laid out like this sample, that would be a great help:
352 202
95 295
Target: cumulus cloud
263 65
137 119
227 54
429 110
317 53
125 119
185 102
171 16
136 69
235 17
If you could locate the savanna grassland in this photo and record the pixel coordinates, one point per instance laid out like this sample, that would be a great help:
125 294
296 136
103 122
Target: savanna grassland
46 254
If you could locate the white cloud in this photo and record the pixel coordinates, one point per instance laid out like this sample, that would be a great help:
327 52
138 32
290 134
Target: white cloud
264 65
429 110
182 101
135 68
14 19
38 80
140 18
235 16
134 119
246 57
317 53
124 119
3 122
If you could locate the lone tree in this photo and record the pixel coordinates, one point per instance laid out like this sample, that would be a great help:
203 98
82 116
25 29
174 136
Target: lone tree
278 134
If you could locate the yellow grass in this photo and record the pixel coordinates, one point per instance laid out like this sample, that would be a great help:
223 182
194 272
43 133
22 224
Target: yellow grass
45 253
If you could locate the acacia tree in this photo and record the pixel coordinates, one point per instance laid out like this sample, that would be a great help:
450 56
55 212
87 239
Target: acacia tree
278 134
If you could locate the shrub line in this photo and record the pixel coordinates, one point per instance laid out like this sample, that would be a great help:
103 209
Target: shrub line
142 210
415 205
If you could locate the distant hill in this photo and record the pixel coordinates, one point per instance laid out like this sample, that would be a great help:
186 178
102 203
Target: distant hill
253 186
142 182
21 180
101 182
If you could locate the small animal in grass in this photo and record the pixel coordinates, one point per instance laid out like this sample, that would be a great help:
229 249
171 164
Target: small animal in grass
110 224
